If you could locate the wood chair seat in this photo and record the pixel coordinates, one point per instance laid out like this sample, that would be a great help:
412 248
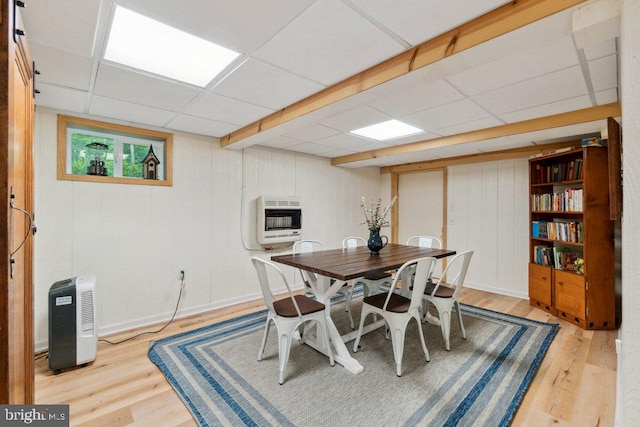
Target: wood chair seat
377 275
397 303
444 291
285 307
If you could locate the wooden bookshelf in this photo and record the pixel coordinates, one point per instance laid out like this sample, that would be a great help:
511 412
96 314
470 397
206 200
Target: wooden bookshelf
569 219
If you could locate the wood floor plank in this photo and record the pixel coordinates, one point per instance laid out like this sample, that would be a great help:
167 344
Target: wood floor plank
595 406
603 350
575 384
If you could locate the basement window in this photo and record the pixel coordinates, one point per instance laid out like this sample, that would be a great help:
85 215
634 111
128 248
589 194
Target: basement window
93 151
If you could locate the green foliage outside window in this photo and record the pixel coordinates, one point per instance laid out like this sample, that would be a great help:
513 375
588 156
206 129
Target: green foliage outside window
132 158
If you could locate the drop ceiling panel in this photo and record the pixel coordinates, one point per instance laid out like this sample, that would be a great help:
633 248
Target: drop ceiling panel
516 68
487 122
607 96
329 53
66 25
604 73
418 97
61 98
350 142
422 136
281 142
337 153
446 115
530 37
558 107
223 109
61 68
552 87
202 126
311 148
355 119
312 132
239 25
418 20
138 88
115 109
266 85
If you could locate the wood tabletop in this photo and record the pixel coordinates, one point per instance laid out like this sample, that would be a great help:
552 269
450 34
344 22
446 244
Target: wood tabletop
351 263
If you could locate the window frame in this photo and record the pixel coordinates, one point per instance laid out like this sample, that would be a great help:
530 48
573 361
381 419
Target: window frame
167 138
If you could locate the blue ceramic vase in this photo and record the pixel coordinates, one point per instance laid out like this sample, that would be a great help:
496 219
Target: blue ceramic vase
375 241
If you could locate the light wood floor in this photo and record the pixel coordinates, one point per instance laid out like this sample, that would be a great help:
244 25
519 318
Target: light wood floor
575 385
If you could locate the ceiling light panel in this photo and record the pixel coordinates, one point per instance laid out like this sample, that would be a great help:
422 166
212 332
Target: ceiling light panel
387 130
145 44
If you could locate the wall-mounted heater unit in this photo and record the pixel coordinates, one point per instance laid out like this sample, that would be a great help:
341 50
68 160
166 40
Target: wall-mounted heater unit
72 323
279 220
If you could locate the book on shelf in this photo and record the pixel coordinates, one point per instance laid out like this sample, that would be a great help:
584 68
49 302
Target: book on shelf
559 172
560 258
559 230
569 200
535 229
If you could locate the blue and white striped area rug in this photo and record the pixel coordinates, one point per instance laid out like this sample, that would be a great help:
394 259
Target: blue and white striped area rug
480 382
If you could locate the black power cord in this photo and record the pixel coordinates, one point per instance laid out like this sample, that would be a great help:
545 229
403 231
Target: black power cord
159 330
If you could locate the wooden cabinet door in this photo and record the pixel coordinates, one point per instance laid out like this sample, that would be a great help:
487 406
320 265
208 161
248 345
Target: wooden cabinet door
570 293
540 283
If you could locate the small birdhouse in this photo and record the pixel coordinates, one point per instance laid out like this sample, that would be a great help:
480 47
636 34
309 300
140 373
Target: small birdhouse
150 165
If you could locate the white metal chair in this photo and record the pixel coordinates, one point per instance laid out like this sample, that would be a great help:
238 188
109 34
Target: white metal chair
444 296
304 246
397 310
288 314
425 242
372 282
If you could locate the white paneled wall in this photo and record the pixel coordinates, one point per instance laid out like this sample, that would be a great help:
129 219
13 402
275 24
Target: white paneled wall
487 212
135 238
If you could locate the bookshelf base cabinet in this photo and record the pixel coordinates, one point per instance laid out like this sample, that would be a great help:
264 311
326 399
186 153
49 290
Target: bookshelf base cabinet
571 233
540 287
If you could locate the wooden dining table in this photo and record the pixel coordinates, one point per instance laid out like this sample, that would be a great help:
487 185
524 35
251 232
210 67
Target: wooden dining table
334 267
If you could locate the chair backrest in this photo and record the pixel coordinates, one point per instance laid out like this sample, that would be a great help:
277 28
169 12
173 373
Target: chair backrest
423 268
353 242
304 246
425 242
456 267
263 277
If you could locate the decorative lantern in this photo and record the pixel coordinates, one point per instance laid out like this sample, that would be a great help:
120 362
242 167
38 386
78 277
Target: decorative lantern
98 154
150 165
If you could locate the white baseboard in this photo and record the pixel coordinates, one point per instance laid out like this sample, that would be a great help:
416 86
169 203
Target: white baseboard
496 290
164 317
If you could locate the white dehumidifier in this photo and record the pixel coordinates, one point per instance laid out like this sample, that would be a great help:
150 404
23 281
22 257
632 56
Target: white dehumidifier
72 323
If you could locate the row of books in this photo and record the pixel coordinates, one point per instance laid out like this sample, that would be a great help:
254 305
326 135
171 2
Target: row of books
569 200
556 257
564 231
567 171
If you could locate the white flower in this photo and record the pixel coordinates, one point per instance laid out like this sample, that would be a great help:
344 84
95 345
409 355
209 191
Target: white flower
375 220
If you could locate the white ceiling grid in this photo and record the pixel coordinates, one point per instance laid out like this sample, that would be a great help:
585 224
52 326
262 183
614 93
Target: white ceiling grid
291 49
